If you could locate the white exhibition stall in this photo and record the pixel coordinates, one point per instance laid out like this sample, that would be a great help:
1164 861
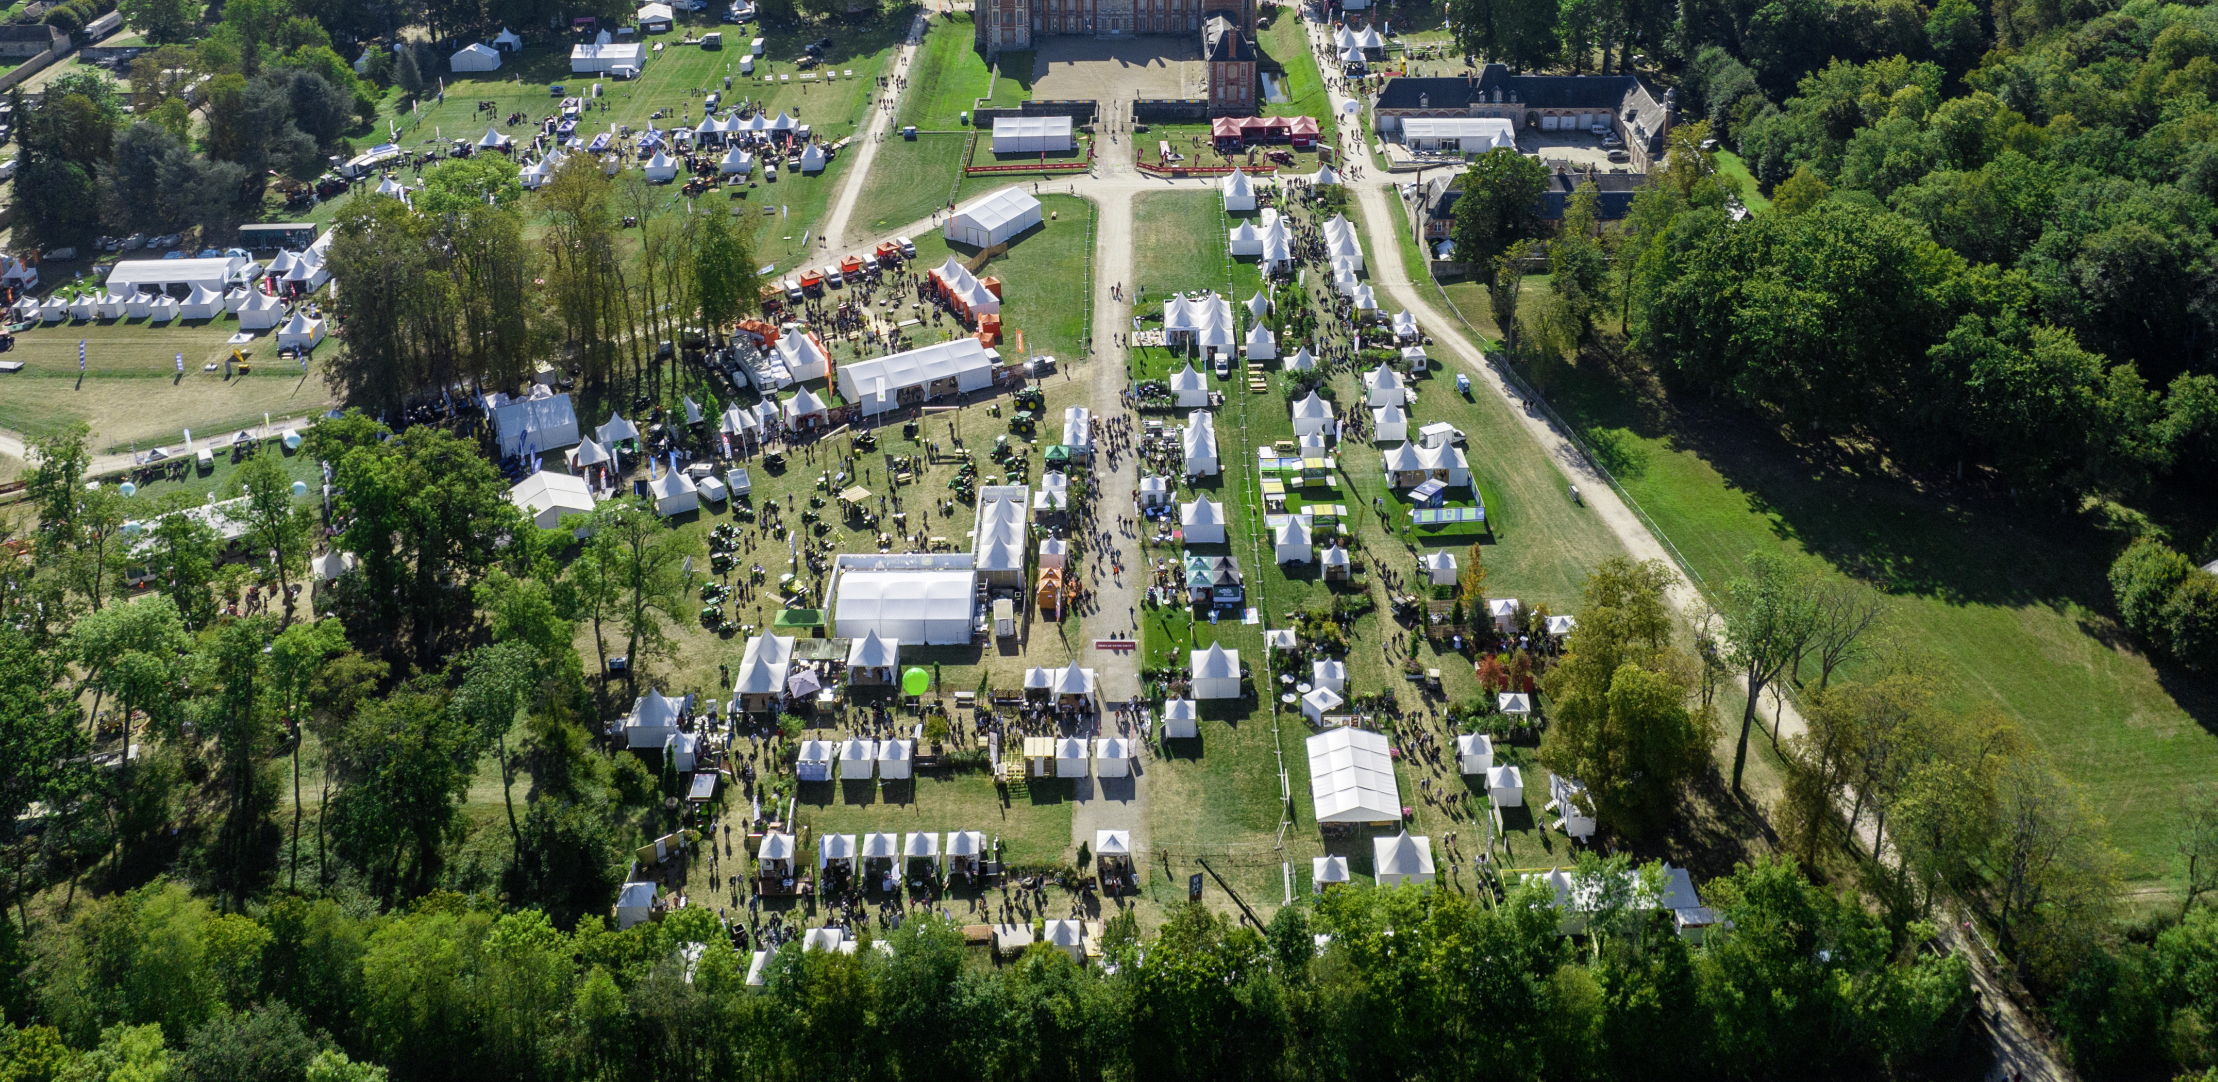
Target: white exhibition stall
857 758
896 759
1351 777
300 332
814 761
1291 542
1239 193
546 496
476 57
932 607
992 219
877 384
674 494
1180 721
1402 859
1070 757
1474 753
1032 135
535 425
1216 672
1202 522
1112 757
653 720
1312 416
1190 387
1199 441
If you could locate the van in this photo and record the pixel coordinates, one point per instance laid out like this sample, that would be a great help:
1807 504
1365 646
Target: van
712 40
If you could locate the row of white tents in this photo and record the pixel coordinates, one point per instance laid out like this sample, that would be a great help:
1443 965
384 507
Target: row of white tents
256 311
854 760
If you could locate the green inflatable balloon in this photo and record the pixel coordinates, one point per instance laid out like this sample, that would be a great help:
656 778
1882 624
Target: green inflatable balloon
915 681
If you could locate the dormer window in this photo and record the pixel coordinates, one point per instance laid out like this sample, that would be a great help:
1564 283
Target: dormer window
1424 101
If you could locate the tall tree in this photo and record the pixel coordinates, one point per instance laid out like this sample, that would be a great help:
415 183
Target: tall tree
1768 622
1499 206
298 657
642 556
238 710
723 272
275 520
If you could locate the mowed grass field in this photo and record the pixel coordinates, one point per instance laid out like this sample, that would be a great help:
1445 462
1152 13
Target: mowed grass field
2013 607
947 76
131 392
908 181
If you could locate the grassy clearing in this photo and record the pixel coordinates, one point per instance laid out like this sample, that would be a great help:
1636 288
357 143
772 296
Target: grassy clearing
1731 165
947 77
1181 238
1283 39
1034 823
131 392
2012 605
1012 84
909 180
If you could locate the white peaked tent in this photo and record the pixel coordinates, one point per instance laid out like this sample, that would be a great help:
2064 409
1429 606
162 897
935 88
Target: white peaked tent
921 845
1335 562
857 758
1202 521
301 331
493 140
1325 871
692 410
1216 672
1440 567
738 421
1155 491
1239 194
674 494
1352 56
736 161
661 167
635 902
1505 786
617 430
476 57
992 218
87 306
783 123
1179 720
804 403
896 759
872 658
835 847
966 848
1405 325
1351 777
1200 443
1246 239
1112 757
1262 344
814 761
1191 387
56 309
1301 361
1514 703
589 453
1070 758
1324 174
165 308
1344 39
1290 541
546 496
812 158
1389 425
1365 298
1402 859
1318 702
775 857
1259 306
1474 753
803 358
1370 40
1565 625
1504 610
879 845
1382 386
1068 936
114 305
1329 673
1071 680
1054 552
1312 416
1342 242
507 40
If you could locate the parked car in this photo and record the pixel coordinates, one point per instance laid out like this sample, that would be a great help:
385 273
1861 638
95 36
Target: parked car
908 247
134 242
832 276
1621 155
1224 367
173 254
210 253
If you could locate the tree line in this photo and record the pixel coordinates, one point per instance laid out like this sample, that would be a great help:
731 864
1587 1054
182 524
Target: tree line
1364 983
454 288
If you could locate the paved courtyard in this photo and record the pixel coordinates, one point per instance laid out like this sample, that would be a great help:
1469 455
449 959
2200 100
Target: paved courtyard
1117 69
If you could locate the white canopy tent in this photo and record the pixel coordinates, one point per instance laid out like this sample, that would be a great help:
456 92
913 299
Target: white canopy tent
1389 424
1351 777
1199 440
1202 522
896 759
1070 758
1317 702
835 848
1112 757
1216 672
1032 135
301 332
1330 672
1312 416
1238 192
1440 567
476 57
1180 721
992 219
857 758
1382 386
661 167
1505 786
544 497
958 366
1261 344
1474 753
814 761
1301 361
1402 859
932 607
1291 541
1190 387
674 493
921 845
1326 871
652 721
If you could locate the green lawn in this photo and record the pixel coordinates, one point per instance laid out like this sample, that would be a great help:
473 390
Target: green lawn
2011 604
1012 84
1181 238
1034 823
947 77
131 392
908 180
1042 278
1283 39
1731 165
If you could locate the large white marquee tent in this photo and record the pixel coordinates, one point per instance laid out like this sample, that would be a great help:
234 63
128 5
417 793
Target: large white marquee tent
1351 777
924 606
1032 134
993 218
875 384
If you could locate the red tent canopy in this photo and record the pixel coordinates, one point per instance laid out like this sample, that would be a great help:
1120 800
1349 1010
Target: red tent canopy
1224 127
